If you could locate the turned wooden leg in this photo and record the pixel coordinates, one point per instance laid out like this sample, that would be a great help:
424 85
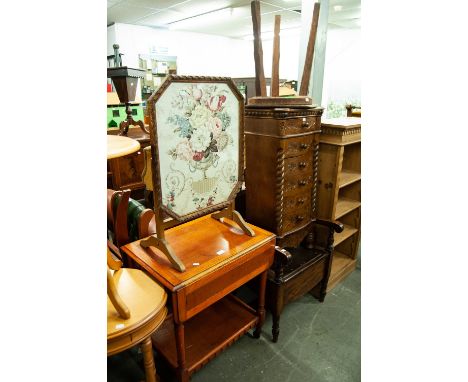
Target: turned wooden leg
261 305
182 372
150 369
275 327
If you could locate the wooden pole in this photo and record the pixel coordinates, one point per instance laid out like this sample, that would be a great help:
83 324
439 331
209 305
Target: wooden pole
276 58
309 52
260 83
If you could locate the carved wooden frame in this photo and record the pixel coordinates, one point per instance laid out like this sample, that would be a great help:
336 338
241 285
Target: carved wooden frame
154 144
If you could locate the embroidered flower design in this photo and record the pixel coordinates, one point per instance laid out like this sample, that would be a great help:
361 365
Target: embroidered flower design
200 115
216 102
216 126
222 141
184 150
197 94
198 156
201 139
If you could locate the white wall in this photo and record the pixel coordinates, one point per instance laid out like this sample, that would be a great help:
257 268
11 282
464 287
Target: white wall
289 56
197 54
204 54
342 77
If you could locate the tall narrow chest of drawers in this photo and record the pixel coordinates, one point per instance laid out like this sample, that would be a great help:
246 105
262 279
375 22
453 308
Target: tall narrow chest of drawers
282 148
281 170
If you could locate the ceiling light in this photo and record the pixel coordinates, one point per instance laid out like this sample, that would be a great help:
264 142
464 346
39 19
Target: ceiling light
337 8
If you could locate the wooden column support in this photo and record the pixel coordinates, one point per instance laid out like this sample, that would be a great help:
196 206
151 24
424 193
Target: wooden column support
310 52
276 58
260 83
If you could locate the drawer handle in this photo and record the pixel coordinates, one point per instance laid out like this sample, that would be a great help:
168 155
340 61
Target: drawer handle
302 164
301 201
303 146
299 218
305 124
302 182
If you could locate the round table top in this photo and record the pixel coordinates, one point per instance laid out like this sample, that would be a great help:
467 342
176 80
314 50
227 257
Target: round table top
118 146
144 298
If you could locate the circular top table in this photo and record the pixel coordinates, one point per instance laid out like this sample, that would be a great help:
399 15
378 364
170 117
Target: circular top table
118 146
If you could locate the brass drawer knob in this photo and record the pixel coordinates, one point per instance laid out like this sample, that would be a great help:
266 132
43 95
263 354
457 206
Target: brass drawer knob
302 183
299 218
305 123
302 164
303 146
301 201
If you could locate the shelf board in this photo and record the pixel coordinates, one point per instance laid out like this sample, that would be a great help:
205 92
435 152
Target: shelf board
348 231
207 333
345 205
342 266
348 177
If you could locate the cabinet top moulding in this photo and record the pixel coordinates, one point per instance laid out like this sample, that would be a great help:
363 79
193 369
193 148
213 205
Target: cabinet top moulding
341 131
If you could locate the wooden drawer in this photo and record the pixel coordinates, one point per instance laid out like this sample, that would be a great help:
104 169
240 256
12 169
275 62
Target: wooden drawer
298 165
295 202
210 289
296 217
298 125
298 184
297 146
298 174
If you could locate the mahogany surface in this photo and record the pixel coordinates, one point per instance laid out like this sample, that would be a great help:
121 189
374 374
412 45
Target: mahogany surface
219 258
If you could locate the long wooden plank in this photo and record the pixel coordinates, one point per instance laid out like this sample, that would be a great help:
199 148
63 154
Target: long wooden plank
276 58
260 83
310 52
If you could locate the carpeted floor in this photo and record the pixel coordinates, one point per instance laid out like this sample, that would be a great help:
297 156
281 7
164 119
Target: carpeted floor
317 343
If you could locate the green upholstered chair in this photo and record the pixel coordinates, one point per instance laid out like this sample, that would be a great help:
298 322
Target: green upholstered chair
127 219
141 220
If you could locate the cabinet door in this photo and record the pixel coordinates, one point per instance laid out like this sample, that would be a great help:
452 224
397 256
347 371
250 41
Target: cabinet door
127 171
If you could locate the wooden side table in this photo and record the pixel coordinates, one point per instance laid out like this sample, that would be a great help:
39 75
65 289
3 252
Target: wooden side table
206 319
125 171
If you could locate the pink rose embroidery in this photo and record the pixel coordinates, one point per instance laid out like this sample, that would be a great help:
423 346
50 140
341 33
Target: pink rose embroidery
197 156
184 150
216 127
216 102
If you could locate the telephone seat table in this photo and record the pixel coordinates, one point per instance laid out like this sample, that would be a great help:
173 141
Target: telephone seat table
206 318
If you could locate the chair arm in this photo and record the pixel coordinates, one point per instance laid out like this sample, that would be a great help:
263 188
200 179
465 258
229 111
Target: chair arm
281 259
335 225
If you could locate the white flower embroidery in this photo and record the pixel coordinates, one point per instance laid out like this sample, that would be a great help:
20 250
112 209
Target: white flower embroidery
200 140
200 115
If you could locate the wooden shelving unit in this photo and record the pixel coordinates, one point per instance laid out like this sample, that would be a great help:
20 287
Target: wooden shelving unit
347 232
345 205
348 177
339 190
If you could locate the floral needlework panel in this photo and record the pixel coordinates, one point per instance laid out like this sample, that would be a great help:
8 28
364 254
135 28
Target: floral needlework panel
198 145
